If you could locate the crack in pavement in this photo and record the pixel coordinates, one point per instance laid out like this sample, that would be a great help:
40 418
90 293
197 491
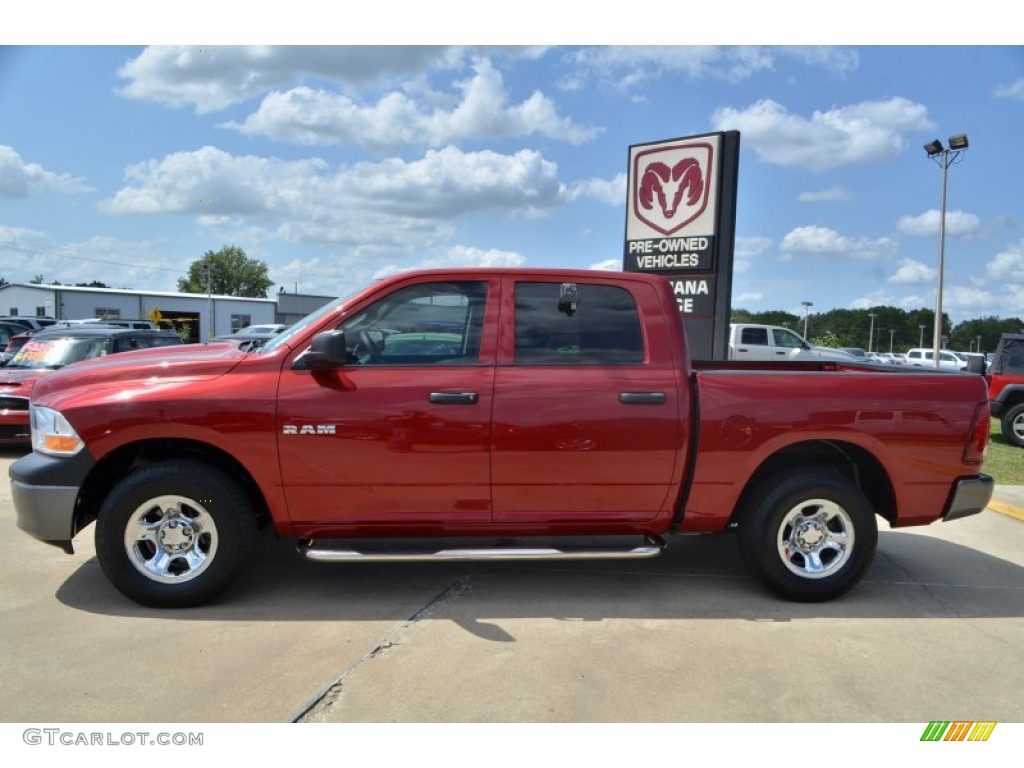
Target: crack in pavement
316 710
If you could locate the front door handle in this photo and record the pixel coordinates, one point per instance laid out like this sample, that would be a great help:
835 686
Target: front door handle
454 398
642 398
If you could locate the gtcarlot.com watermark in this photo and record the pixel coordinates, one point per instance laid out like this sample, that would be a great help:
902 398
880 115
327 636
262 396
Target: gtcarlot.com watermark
59 737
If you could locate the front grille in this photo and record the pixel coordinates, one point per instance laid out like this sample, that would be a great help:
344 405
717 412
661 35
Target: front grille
14 432
8 403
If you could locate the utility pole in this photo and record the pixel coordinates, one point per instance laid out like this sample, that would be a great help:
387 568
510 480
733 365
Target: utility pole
207 271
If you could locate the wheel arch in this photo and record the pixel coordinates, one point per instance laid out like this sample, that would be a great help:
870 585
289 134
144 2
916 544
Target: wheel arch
851 461
123 461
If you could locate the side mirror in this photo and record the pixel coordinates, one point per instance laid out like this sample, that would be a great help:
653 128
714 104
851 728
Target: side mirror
328 350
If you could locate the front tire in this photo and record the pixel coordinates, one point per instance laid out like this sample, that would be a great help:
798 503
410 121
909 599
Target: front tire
1012 423
808 535
174 534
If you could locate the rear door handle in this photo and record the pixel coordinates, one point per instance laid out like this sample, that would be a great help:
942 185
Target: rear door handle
454 398
642 398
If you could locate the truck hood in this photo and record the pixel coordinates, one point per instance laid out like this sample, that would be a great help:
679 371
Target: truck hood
20 382
189 361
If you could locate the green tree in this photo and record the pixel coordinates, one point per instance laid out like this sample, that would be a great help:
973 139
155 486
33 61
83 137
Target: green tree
232 273
966 335
3 282
93 284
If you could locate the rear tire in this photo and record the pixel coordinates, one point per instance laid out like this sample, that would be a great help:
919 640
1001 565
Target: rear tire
1012 423
174 534
808 535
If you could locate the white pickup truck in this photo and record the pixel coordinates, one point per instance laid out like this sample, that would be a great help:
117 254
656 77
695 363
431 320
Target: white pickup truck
751 341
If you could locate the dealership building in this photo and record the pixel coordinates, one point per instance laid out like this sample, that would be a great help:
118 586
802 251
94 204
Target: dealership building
204 316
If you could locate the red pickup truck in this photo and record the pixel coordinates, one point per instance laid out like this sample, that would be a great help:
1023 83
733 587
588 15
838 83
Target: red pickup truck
521 413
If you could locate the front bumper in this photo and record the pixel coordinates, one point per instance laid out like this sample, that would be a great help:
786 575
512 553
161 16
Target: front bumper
969 497
45 494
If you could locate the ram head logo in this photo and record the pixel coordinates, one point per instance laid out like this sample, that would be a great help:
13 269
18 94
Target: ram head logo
671 186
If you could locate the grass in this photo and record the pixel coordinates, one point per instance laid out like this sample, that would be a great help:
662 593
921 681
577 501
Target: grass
1005 462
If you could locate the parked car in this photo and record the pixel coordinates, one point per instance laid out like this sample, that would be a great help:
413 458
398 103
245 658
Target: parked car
34 323
115 322
252 337
892 358
751 341
1006 387
925 357
8 330
46 351
15 343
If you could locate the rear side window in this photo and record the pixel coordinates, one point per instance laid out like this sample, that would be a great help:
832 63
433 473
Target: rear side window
757 336
604 328
145 342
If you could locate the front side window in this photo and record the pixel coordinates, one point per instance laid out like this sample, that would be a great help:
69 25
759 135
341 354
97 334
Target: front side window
787 339
424 324
603 328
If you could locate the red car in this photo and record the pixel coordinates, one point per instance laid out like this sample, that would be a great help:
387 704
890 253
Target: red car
45 351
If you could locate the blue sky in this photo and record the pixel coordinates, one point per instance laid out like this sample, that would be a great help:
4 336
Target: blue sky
337 165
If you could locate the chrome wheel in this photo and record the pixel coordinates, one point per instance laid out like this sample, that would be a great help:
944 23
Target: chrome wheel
815 539
170 539
1017 428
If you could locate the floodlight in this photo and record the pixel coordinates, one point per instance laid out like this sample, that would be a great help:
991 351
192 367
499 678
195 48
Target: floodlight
934 148
958 142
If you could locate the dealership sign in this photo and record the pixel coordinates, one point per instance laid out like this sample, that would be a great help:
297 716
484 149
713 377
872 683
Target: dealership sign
680 223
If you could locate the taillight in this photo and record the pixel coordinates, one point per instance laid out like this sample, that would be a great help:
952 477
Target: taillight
974 452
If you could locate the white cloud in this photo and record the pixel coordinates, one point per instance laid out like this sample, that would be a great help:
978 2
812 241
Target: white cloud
609 192
748 298
393 199
1008 265
830 195
958 224
216 77
969 299
912 272
748 250
870 131
1014 90
627 67
21 179
481 110
455 257
822 241
879 298
135 263
608 265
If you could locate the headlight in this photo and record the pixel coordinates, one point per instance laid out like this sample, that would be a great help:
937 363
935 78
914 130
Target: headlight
52 434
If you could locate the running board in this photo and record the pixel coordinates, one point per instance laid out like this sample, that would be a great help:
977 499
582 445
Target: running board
651 547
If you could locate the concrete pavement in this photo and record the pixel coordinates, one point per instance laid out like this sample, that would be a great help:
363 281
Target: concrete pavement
1009 500
933 632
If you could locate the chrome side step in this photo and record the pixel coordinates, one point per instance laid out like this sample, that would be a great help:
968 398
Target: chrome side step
313 550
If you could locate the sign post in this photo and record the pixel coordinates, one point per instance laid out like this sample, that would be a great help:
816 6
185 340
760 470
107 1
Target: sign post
681 224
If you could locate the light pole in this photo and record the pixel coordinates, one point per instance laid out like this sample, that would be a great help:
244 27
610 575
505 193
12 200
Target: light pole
944 158
871 331
920 341
979 344
807 308
892 333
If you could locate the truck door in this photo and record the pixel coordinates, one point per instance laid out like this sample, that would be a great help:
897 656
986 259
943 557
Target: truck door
788 346
587 404
401 432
